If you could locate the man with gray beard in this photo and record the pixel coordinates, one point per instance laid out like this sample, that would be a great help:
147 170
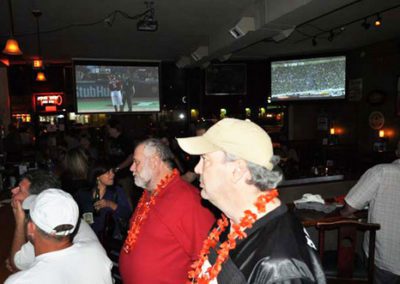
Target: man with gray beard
169 224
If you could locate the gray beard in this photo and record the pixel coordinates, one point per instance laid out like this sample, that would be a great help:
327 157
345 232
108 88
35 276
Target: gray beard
141 183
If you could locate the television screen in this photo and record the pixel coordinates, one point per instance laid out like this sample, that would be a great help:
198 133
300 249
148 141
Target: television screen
226 79
308 79
112 86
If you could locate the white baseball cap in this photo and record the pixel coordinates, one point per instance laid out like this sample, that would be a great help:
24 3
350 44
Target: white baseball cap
51 209
242 138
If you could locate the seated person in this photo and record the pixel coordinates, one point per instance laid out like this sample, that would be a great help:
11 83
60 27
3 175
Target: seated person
104 199
52 219
22 252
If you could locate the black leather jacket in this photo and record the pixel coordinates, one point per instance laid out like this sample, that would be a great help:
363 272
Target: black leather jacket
276 250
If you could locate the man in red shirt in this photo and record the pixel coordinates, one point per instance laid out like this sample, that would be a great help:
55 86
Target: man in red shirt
169 224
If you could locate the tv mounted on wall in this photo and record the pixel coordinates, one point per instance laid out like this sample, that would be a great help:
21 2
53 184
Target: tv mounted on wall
110 86
226 79
316 78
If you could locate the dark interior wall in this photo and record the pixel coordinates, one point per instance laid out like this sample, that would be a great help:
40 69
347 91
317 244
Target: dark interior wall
183 89
378 65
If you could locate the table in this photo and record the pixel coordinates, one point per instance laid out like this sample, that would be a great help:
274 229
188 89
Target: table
309 218
7 225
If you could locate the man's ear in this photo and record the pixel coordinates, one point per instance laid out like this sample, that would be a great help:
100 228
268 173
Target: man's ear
239 171
30 231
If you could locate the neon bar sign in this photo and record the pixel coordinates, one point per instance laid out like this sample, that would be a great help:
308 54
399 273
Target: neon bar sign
49 100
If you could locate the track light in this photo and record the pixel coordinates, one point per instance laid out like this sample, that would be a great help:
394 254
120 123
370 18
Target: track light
365 24
314 41
378 21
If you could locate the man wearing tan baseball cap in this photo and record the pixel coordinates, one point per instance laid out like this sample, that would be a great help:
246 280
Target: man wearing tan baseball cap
265 242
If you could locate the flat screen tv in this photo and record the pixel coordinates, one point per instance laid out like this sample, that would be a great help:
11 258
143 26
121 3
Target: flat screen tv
226 79
103 86
308 79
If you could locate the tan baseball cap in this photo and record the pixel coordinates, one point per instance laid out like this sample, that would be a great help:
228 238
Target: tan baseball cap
242 138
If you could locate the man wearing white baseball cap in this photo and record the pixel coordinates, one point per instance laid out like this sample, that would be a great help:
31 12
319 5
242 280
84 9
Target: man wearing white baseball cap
53 217
264 243
22 253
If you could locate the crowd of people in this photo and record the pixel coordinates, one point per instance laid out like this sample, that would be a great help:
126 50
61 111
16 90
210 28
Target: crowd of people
235 229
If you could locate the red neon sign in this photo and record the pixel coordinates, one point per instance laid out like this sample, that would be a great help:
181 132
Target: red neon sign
49 100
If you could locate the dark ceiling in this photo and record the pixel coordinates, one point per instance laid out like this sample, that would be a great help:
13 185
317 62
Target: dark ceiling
77 28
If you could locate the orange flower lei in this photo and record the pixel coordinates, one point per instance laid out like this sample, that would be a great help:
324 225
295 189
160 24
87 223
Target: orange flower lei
142 210
246 222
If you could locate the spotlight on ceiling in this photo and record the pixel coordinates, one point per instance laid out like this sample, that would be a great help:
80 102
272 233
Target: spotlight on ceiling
314 41
378 21
365 24
148 22
245 25
199 53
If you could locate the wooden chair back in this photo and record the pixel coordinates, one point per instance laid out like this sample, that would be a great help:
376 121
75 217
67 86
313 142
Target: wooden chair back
347 245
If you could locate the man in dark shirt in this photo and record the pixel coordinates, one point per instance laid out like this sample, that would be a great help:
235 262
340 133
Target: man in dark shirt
264 242
128 91
120 149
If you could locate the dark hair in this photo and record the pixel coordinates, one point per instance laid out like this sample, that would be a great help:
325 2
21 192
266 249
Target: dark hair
41 180
159 148
113 123
98 169
76 163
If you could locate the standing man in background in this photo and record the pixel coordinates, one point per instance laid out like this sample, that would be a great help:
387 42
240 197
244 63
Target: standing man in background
264 243
169 224
115 87
128 91
379 188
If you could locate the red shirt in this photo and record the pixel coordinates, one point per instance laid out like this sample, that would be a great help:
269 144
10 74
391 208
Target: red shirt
170 238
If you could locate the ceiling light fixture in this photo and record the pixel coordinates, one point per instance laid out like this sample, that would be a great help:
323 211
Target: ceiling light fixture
378 21
38 62
12 46
40 76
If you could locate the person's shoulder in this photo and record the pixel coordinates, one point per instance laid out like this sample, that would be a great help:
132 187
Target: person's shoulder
181 189
388 168
85 233
88 249
19 277
277 270
33 275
